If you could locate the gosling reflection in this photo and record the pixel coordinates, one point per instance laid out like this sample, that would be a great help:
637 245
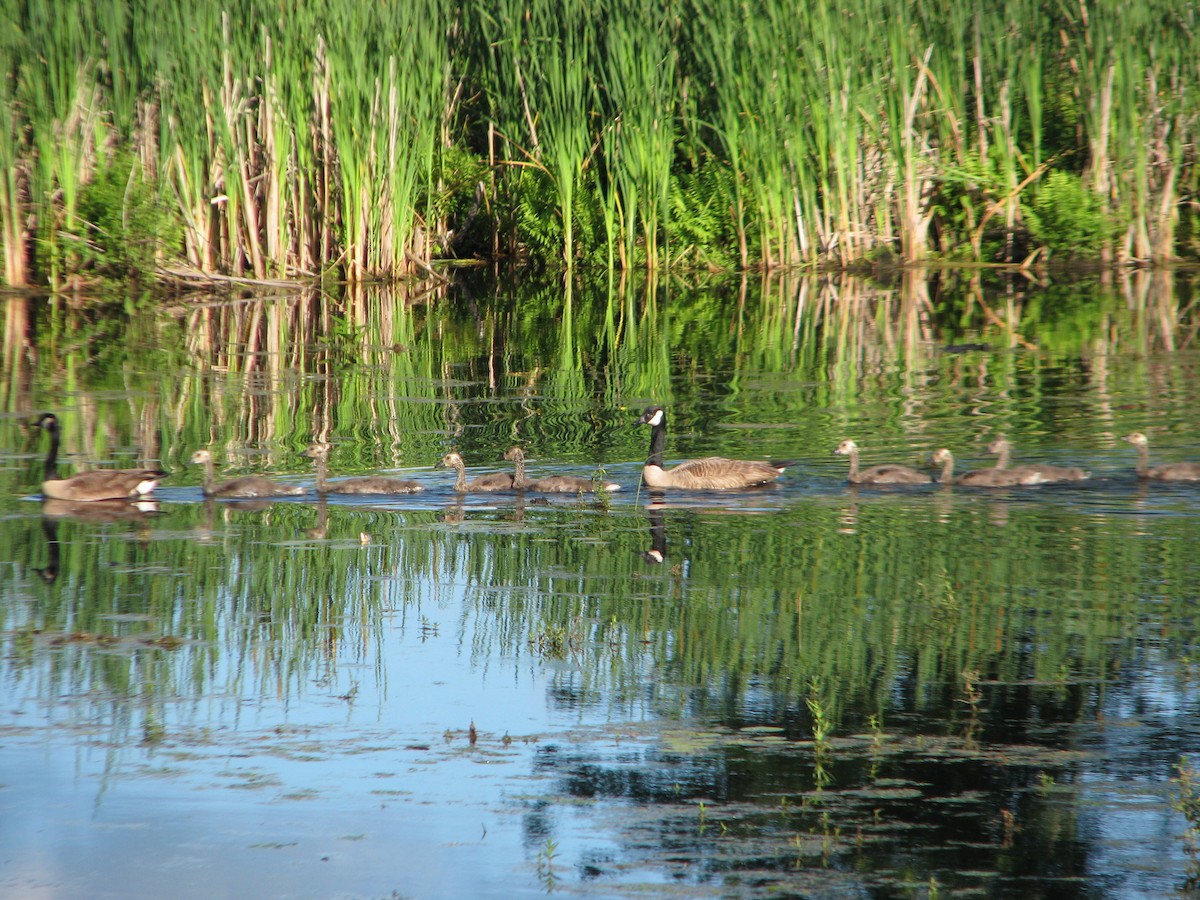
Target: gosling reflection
320 530
848 514
455 512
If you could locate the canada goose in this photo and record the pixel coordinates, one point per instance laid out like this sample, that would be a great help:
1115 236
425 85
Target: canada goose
993 477
708 474
885 474
248 486
318 452
101 484
1181 471
497 481
1035 473
553 484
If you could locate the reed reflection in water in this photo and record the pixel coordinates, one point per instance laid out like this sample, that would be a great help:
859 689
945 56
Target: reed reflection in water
818 689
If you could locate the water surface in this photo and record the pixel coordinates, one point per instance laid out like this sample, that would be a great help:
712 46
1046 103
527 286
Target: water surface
820 690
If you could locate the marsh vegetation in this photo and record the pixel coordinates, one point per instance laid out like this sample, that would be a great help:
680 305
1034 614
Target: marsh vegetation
368 139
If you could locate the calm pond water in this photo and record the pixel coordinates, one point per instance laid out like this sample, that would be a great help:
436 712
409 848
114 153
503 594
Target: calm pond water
820 691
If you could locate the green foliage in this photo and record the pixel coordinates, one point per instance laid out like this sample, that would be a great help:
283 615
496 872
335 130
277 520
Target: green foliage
963 193
1068 219
538 217
123 225
459 196
702 228
1188 234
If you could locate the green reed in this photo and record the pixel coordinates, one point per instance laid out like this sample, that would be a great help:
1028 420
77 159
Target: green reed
57 91
1135 68
12 153
640 64
344 137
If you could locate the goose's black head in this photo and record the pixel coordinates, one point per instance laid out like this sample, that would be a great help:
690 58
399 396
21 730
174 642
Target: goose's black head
653 415
49 421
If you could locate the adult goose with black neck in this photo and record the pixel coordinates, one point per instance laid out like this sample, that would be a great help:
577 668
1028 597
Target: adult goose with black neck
102 484
713 473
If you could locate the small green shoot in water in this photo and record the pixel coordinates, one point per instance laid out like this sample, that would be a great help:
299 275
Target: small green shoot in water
1187 803
816 708
973 698
545 865
821 728
599 479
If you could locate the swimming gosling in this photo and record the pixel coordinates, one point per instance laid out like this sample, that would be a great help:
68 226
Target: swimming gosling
318 452
887 473
1035 473
484 484
993 477
554 484
1180 471
246 487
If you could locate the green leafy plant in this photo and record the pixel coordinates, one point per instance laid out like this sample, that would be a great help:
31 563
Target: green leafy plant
123 224
1068 219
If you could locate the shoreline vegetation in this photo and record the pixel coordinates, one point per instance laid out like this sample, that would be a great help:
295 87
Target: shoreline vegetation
365 141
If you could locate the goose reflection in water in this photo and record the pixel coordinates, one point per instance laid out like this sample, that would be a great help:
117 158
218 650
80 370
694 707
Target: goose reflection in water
658 536
49 574
99 511
92 511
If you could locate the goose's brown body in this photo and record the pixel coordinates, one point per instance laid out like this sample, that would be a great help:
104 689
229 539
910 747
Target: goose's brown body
713 473
102 484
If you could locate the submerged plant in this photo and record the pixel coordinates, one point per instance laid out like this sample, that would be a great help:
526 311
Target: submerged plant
816 708
972 697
